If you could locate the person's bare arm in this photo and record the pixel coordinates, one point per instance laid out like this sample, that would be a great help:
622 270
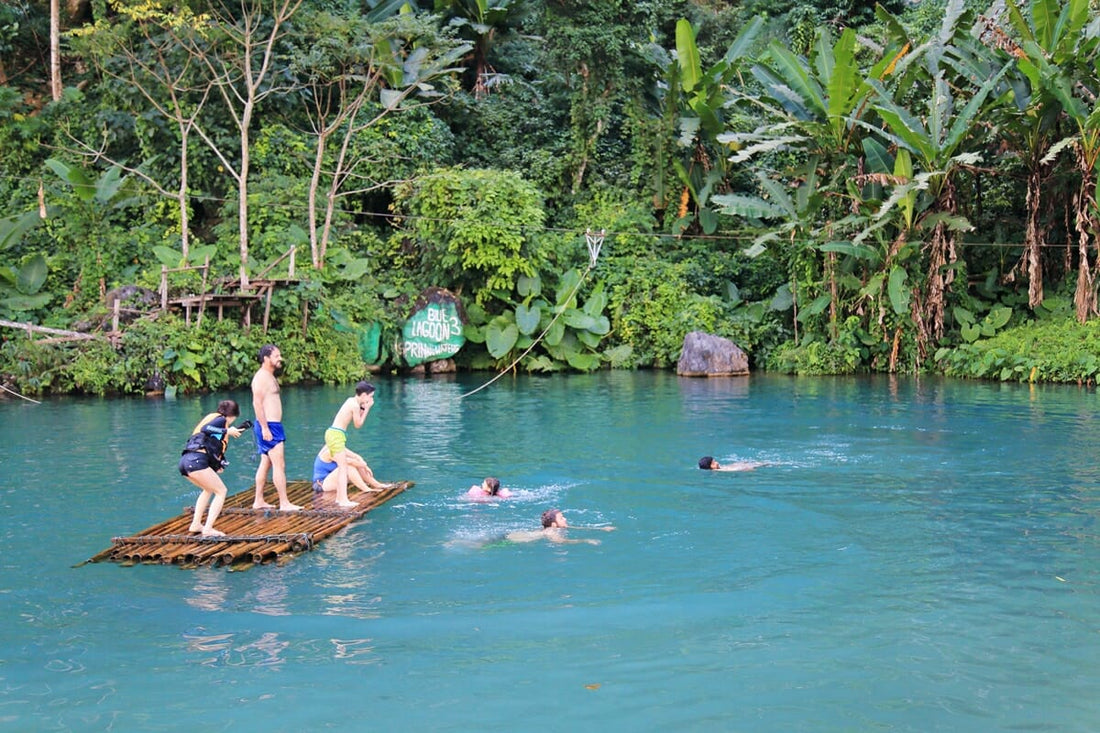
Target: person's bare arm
259 395
359 414
566 541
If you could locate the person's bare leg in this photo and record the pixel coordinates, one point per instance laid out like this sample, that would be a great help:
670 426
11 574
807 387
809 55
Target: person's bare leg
370 480
278 477
261 479
215 509
200 506
341 459
363 480
358 468
212 486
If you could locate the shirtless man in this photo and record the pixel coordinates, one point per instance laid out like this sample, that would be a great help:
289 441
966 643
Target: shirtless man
354 410
553 522
268 429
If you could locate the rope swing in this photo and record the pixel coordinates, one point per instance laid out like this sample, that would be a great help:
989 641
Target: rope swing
594 242
22 397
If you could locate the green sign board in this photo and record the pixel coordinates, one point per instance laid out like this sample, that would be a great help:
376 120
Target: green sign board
434 332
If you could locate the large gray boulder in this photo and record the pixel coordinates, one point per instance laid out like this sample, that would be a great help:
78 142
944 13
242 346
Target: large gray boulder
706 355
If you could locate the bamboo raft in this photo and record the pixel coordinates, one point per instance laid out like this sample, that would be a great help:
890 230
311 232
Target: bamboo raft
251 535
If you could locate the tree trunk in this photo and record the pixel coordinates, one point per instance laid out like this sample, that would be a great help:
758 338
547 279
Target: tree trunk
185 217
830 265
55 49
242 188
315 255
1034 239
1084 297
941 254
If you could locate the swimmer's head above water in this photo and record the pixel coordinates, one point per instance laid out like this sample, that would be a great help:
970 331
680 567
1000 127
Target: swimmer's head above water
553 518
707 463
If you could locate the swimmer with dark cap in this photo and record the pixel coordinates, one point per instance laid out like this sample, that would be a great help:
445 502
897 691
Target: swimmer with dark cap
707 463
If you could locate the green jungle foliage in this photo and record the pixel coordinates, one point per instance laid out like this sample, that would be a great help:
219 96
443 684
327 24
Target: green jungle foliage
1051 348
836 187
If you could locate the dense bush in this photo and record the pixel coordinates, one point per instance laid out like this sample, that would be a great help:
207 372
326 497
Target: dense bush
217 355
1055 350
815 358
471 231
652 309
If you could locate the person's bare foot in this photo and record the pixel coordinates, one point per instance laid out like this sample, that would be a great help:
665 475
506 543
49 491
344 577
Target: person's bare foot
264 505
194 528
213 533
347 504
288 507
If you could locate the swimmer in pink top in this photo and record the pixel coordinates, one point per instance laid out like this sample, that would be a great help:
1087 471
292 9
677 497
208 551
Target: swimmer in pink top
488 489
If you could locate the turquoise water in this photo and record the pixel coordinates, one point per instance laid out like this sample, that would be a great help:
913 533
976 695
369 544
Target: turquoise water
918 556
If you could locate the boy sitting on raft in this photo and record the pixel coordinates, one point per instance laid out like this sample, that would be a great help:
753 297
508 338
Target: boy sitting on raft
359 473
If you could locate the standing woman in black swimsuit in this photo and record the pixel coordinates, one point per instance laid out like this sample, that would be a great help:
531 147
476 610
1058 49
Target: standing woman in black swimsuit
203 458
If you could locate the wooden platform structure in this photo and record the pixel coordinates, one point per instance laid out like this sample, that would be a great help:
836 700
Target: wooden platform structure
227 293
252 535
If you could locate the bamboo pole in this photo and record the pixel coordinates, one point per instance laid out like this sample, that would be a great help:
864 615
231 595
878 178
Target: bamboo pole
32 328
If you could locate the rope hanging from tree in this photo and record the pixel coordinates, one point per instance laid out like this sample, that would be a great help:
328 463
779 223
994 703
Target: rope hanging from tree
594 242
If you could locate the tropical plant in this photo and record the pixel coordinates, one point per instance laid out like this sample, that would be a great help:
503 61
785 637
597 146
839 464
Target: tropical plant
697 99
813 107
99 203
565 331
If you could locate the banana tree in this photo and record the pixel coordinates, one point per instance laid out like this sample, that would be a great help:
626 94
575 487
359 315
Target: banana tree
1058 54
702 102
812 107
1050 33
792 223
691 101
936 139
481 22
823 94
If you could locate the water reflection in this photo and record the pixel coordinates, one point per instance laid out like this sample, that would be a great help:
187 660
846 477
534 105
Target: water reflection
210 591
230 650
348 574
429 419
355 651
265 651
269 595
